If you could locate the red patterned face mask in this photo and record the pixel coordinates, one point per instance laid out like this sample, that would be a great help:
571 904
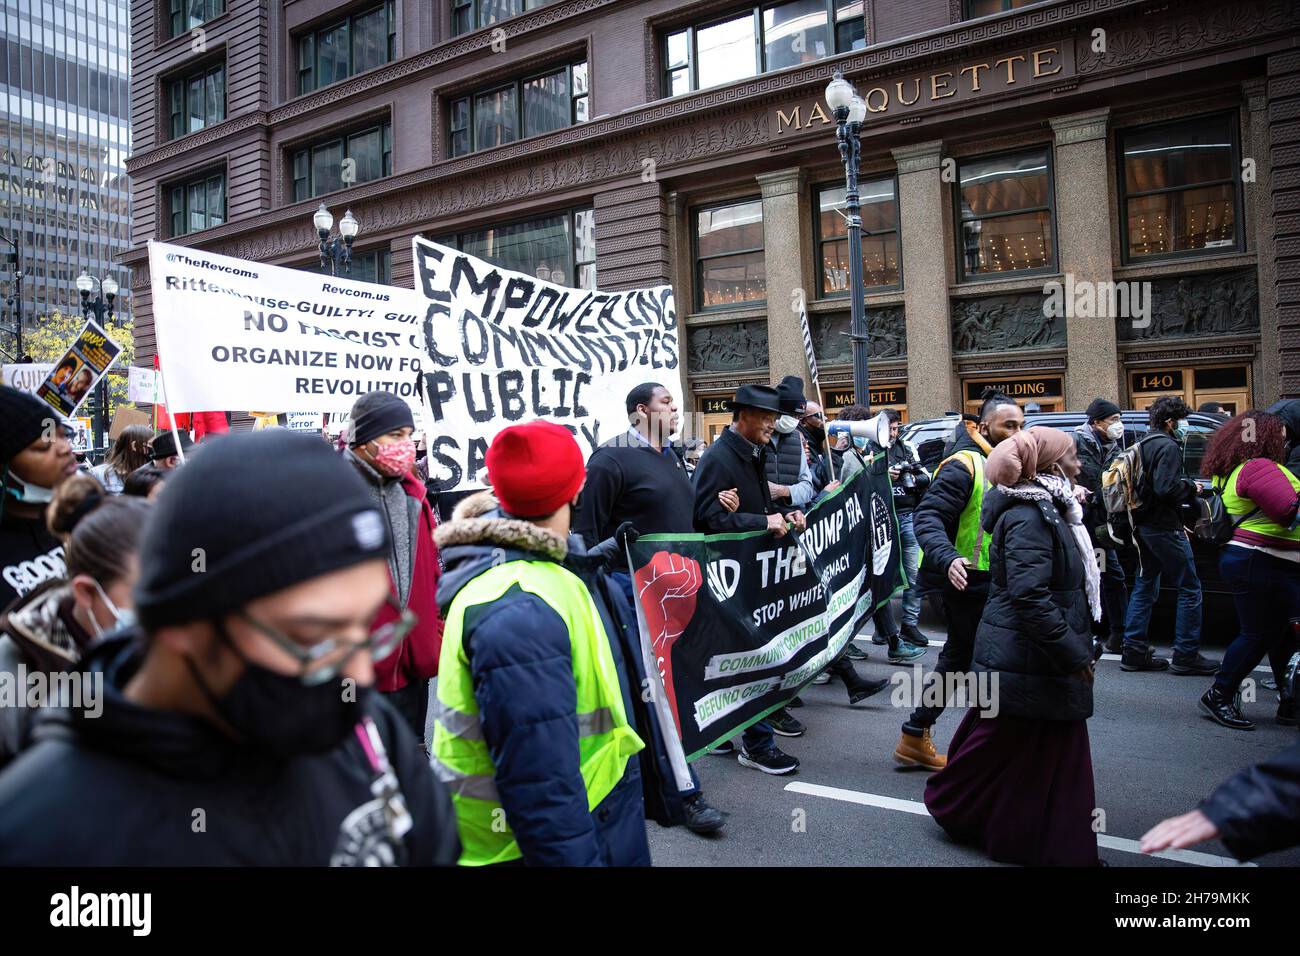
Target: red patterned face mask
395 459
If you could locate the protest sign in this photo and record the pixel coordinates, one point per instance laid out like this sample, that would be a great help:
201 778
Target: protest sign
142 385
81 367
124 418
738 623
82 434
506 347
239 334
27 376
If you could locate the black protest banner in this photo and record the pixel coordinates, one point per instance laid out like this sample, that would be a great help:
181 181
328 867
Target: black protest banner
738 623
505 347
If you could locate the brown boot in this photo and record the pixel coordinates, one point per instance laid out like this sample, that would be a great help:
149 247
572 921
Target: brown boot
919 752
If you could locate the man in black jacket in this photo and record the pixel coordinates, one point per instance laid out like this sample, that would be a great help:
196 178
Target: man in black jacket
736 460
1096 442
239 725
947 523
813 427
1289 412
639 477
1163 548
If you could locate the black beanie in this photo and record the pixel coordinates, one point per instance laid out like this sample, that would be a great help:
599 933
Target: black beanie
790 393
1101 408
23 419
378 413
252 514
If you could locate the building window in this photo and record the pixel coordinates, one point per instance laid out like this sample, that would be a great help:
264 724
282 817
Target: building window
559 248
198 204
758 40
1179 192
374 265
342 161
880 253
527 107
467 15
1004 219
196 101
729 264
346 47
184 15
984 8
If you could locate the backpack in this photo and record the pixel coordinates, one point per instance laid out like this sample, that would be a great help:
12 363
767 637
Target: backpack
1216 525
1122 492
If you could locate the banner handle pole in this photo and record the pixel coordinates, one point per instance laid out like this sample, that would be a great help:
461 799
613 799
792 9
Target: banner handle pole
667 720
171 415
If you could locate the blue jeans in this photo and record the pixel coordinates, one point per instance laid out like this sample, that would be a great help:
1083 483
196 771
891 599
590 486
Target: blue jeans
912 566
758 738
1166 554
1266 591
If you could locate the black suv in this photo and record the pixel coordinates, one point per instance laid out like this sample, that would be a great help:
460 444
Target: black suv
1219 623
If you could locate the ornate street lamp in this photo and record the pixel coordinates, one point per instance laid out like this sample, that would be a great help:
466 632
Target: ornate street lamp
337 251
850 110
100 308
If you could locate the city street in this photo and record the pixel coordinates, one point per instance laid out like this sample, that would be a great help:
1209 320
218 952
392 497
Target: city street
849 804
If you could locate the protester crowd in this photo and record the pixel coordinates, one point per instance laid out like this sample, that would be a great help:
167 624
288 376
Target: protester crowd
293 661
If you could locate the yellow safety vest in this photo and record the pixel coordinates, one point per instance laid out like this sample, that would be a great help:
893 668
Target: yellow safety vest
1236 504
972 543
460 755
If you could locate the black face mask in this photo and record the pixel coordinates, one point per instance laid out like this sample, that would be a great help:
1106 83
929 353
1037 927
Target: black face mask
280 715
818 435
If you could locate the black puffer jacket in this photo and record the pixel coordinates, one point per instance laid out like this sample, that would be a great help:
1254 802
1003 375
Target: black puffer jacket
1035 632
1094 456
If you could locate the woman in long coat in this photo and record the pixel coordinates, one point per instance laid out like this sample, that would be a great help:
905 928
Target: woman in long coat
1018 783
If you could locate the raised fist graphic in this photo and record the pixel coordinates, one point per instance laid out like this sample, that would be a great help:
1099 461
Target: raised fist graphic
666 588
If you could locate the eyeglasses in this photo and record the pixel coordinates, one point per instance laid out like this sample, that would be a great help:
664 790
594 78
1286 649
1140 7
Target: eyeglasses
380 643
815 416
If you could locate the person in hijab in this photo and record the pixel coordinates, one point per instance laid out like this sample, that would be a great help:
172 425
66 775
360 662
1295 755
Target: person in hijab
1018 783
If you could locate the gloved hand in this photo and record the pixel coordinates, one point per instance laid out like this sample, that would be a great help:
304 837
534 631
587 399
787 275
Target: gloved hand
610 552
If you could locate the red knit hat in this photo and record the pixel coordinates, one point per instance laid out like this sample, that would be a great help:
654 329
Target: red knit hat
535 468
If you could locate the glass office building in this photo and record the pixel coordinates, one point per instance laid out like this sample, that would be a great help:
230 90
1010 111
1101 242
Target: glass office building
65 132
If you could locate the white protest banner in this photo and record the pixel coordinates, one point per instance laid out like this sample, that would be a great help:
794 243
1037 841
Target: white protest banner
505 347
142 385
234 334
27 376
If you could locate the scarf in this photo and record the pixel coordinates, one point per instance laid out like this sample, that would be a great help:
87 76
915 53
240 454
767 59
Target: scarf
1058 490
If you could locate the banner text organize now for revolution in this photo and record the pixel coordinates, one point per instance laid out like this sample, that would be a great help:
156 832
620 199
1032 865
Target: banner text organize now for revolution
236 335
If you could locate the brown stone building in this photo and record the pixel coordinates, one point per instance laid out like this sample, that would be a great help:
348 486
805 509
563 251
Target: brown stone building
1136 150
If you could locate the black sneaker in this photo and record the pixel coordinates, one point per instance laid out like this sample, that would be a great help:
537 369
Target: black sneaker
1196 665
912 634
1115 644
1224 711
878 638
701 817
862 688
784 723
795 701
1142 661
855 653
1286 715
722 749
771 761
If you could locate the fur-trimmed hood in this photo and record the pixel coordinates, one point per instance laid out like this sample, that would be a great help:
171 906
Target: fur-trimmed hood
478 520
480 536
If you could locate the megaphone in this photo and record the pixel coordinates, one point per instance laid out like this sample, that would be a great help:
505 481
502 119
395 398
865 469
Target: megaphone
873 429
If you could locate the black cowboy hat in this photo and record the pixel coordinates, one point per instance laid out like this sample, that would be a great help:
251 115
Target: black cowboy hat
763 397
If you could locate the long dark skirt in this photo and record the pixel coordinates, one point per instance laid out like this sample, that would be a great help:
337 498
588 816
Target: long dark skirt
1021 790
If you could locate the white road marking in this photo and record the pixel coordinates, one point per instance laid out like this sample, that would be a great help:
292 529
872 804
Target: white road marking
1191 857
